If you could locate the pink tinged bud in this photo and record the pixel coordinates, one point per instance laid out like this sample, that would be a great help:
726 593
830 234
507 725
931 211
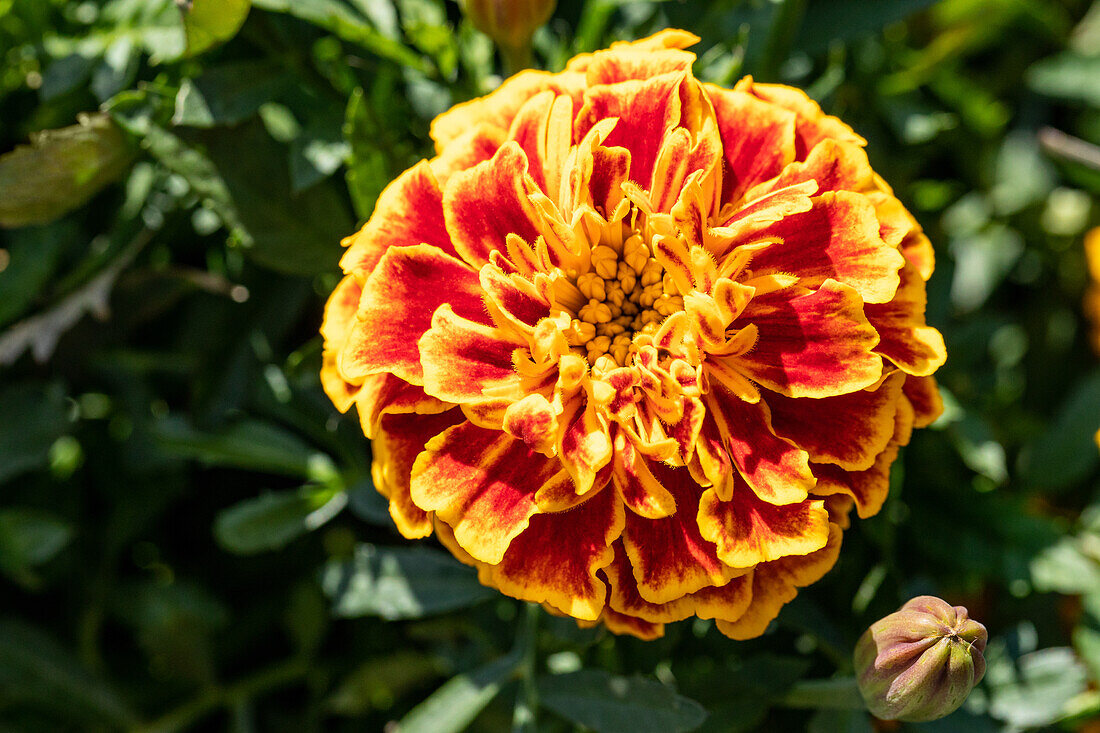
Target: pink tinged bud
510 23
920 662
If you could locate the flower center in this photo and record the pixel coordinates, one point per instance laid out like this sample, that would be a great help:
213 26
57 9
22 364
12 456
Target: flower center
624 292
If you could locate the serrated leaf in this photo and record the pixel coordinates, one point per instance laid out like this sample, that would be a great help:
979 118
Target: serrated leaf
208 23
611 704
271 521
454 705
400 582
61 170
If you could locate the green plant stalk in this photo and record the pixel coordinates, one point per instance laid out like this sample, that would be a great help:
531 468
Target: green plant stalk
516 58
525 717
189 713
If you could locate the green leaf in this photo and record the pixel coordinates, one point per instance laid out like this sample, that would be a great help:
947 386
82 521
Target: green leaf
1035 690
228 94
35 416
34 254
454 705
611 704
845 20
1063 568
36 671
61 170
386 677
293 232
1066 453
247 444
209 23
29 537
1069 75
399 583
340 20
271 521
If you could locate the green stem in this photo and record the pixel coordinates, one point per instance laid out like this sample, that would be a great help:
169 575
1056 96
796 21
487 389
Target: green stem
837 693
781 35
525 717
214 698
516 58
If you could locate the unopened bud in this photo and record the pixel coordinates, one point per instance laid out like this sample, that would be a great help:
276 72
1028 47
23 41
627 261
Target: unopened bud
920 662
510 23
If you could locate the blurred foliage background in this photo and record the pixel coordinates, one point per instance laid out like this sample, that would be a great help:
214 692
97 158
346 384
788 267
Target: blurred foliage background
189 539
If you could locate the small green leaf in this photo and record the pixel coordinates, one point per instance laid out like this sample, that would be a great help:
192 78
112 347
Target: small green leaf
611 704
1069 75
209 23
60 170
271 521
454 705
29 538
248 444
402 582
35 416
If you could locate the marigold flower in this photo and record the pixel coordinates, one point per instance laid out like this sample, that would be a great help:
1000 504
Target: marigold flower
1092 293
633 345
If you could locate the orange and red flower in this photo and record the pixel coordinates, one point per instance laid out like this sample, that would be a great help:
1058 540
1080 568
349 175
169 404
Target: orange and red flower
633 345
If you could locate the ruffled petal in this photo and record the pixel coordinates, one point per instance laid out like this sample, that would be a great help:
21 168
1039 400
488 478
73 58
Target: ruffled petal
340 313
486 203
812 125
924 395
776 583
776 470
556 559
916 348
747 531
837 239
483 484
399 440
639 489
814 345
647 110
384 394
669 556
408 212
466 361
396 308
848 430
757 139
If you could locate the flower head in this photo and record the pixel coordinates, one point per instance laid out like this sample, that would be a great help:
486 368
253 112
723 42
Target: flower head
634 345
920 662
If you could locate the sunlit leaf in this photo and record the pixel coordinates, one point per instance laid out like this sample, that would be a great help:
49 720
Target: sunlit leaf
400 582
271 521
60 170
209 23
454 705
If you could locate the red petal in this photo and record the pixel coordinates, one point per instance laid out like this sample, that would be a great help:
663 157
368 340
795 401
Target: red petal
384 394
815 345
466 361
482 483
777 471
924 395
409 212
839 239
400 439
906 340
637 486
398 301
646 110
748 531
848 430
758 139
544 130
669 556
812 125
488 202
555 560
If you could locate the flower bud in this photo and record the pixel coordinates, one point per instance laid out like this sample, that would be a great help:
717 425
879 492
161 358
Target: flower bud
920 662
510 23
